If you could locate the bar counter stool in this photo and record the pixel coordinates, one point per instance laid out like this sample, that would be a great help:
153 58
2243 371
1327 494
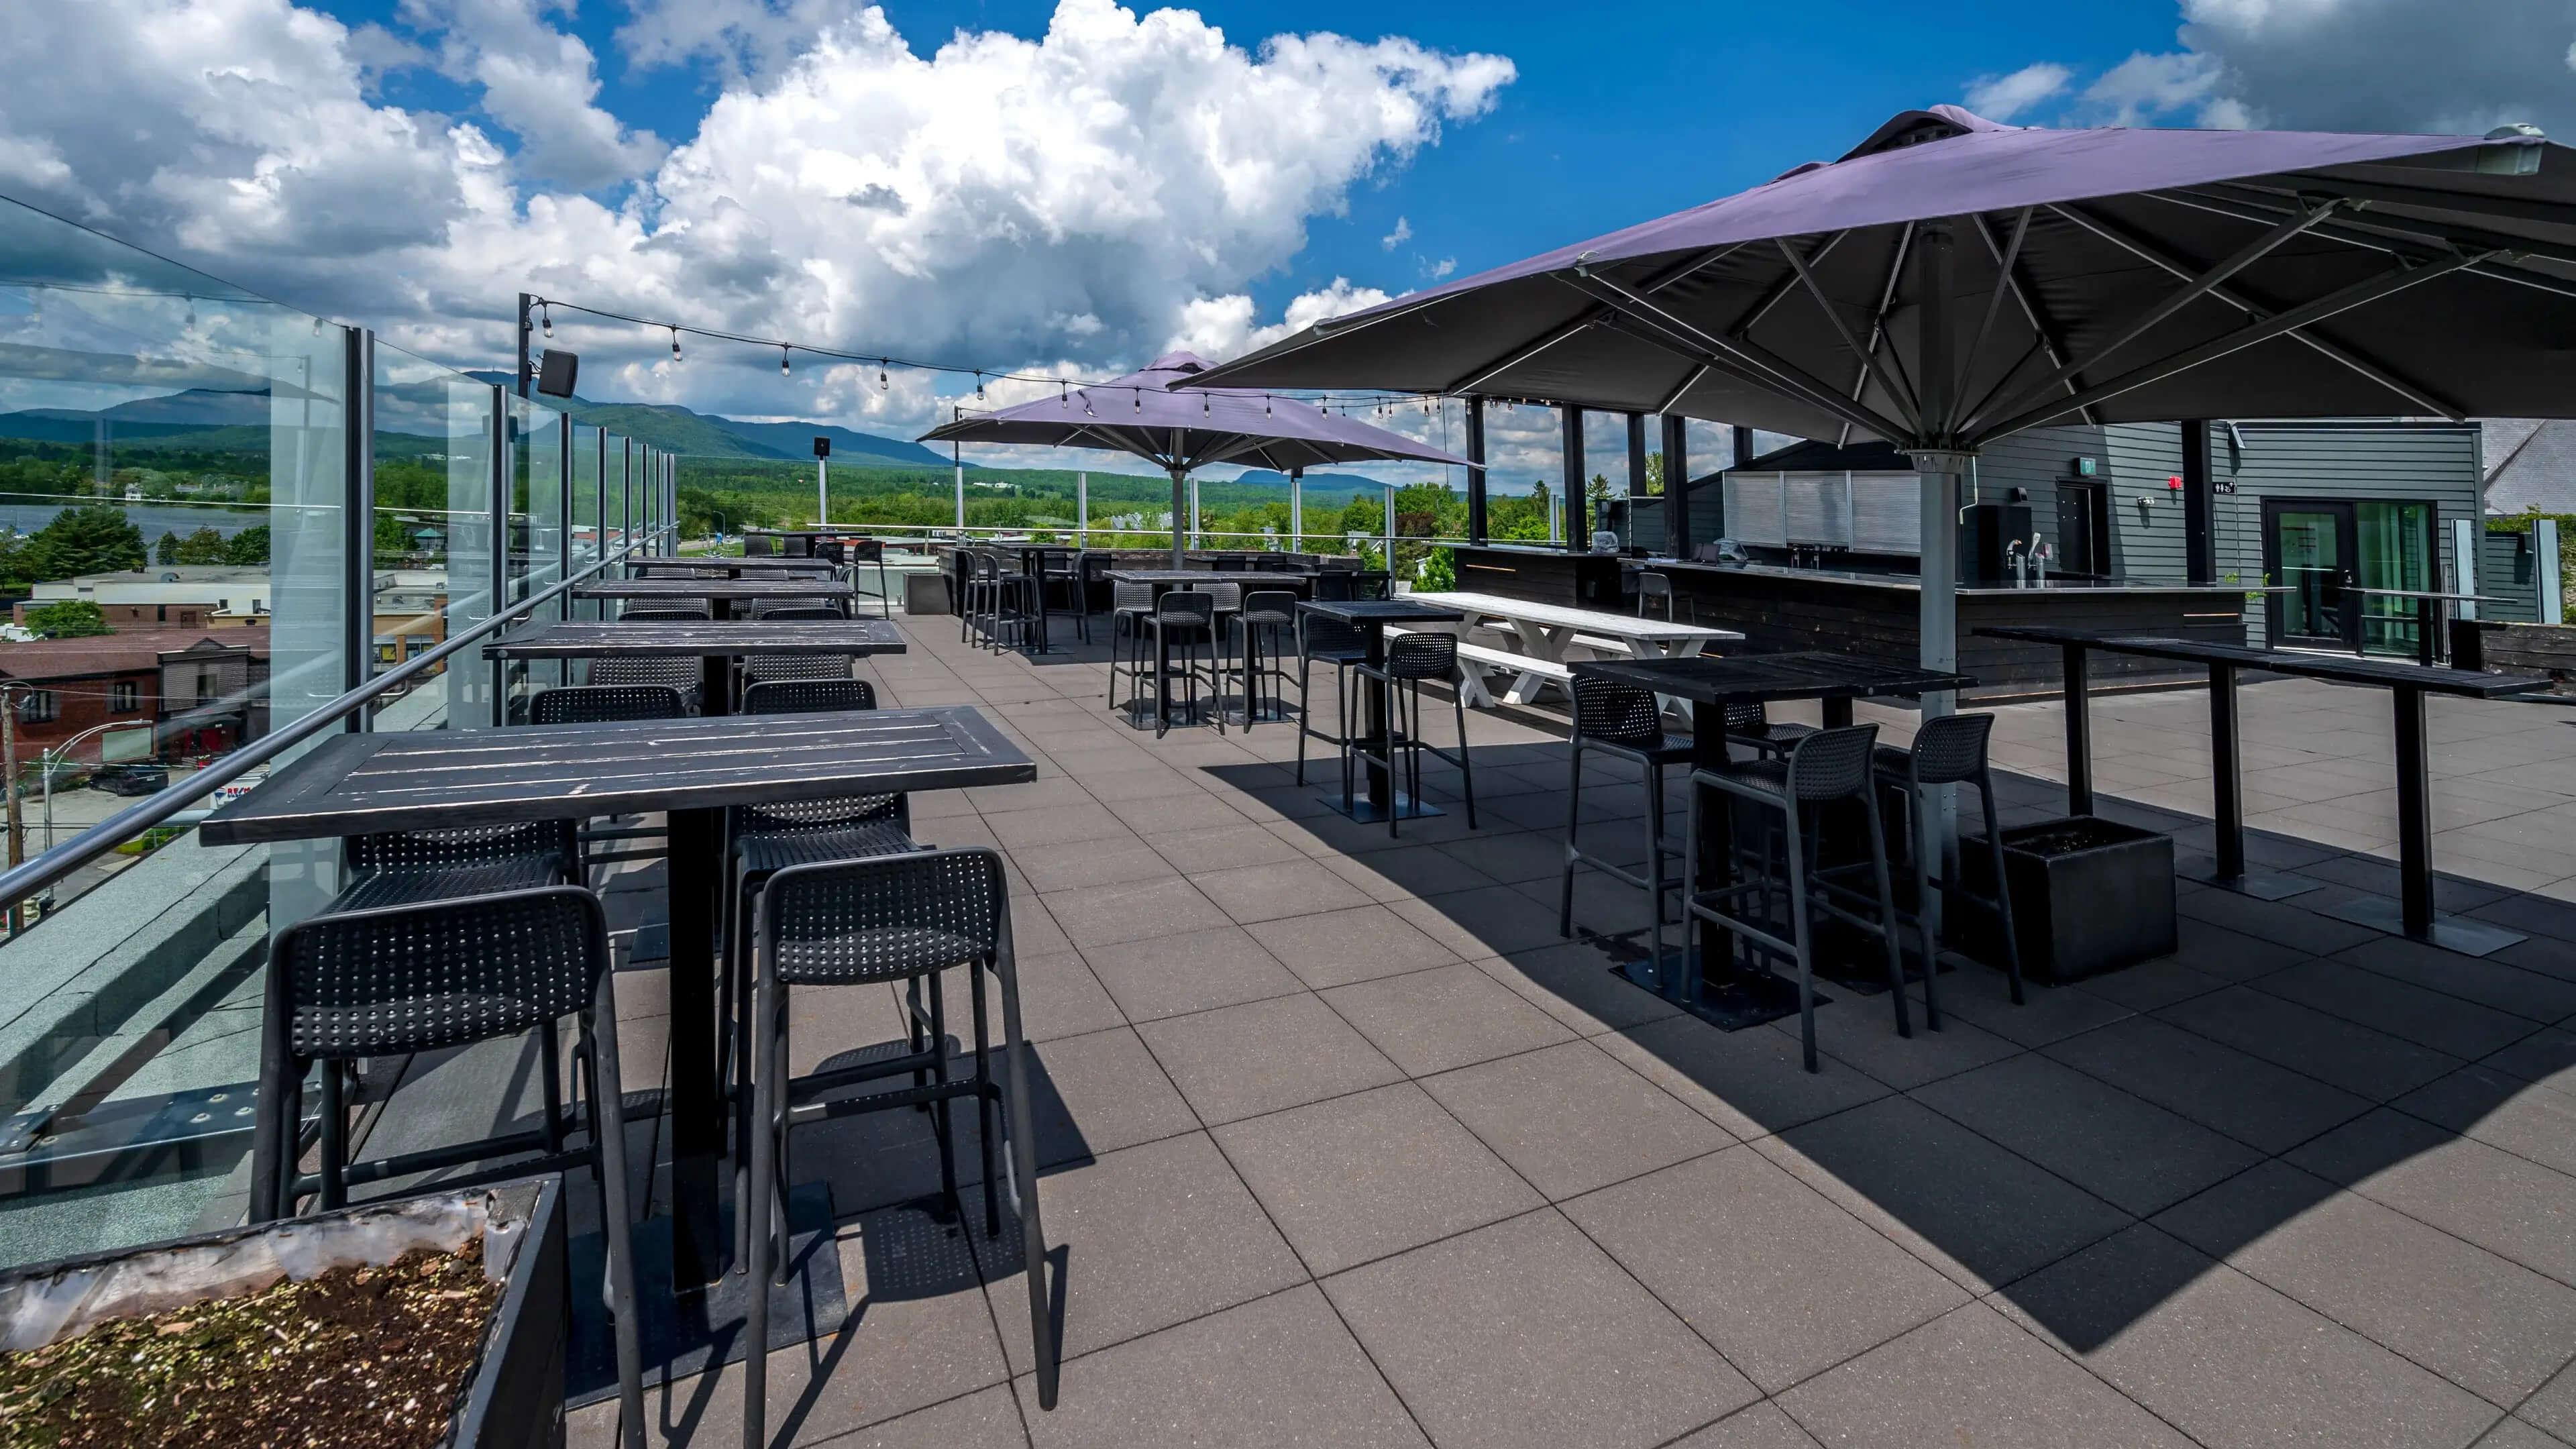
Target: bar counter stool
1129 604
600 703
1343 647
1265 616
1411 659
420 978
808 696
866 922
1187 620
688 676
1949 750
1624 721
1823 767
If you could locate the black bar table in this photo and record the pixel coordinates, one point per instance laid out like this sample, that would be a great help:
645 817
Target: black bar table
695 566
1381 799
717 642
721 594
2407 685
693 769
1740 999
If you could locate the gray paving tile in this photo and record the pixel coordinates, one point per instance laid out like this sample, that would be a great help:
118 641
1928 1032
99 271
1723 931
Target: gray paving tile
1982 996
2500 1202
1573 983
1362 943
986 1419
1109 915
1760 1426
1058 824
1431 1021
1494 921
1059 996
2486 980
2516 1434
1171 975
2547 1056
1261 1056
2253 1101
1163 814
1145 1238
1524 1333
1222 847
2230 1361
1512 856
2554 1407
1298 887
1749 1082
2498 1108
1779 1279
2120 1147
1414 870
1277 1371
1081 863
1361 1177
1970 1377
1571 1118
2492 1327
2348 1055
2435 1019
1099 1093
1972 1209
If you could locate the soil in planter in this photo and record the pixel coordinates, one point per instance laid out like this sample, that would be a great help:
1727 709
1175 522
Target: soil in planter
2066 837
358 1358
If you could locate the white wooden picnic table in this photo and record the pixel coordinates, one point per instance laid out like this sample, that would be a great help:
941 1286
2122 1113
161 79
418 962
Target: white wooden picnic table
1547 631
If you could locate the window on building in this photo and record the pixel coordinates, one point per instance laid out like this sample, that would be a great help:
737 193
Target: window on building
39 706
209 687
124 698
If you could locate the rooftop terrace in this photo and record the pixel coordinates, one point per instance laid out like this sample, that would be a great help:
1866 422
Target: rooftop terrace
1342 1144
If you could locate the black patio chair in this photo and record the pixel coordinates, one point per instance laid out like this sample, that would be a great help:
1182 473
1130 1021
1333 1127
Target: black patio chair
1184 620
600 703
1341 647
678 672
1266 617
1411 659
1624 722
1949 750
808 696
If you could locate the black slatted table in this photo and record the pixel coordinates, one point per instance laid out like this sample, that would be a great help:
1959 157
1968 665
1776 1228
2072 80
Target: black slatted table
717 641
2407 685
1374 616
694 769
734 568
1730 998
721 594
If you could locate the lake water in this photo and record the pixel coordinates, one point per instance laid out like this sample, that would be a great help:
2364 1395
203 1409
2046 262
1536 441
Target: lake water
26 515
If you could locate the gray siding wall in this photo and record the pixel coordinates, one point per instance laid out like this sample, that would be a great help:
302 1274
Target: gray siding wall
2437 464
2506 570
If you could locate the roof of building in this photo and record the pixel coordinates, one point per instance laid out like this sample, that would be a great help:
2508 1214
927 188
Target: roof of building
125 652
2530 464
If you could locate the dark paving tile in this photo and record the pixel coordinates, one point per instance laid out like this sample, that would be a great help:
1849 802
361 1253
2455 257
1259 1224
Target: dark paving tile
1760 1426
1278 1371
1971 1377
2253 1101
1982 997
1171 975
1146 1238
2548 956
1572 982
2231 955
1524 1333
1431 1021
2287 923
1512 856
1335 948
2446 1023
1570 1118
1494 921
2502 1110
1261 1056
2230 1361
2492 1327
2500 1202
1297 887
2540 915
2123 1149
1780 1280
1361 1177
1109 915
2151 984
1415 870
1860 1031
1748 1082
1976 1211
2546 1056
2330 1049
2488 981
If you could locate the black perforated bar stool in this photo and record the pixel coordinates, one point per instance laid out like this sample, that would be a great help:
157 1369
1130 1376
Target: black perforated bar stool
1826 766
664 613
1343 647
1410 659
857 551
688 676
599 703
808 696
1749 724
1266 616
420 978
1186 621
1129 604
862 922
1623 721
1950 750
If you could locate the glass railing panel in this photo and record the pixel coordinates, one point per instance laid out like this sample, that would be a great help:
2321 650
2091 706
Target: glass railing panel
433 534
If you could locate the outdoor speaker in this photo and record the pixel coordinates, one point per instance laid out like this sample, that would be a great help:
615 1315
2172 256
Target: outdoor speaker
822 447
556 373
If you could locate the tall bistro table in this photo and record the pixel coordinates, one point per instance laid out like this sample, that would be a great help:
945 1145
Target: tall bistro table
694 769
1373 617
2407 684
692 566
1727 997
716 642
721 594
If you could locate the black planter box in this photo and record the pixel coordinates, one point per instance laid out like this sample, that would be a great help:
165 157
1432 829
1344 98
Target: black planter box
2089 895
513 1396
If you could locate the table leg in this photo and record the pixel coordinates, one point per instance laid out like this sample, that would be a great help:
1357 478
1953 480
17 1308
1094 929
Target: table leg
697 1109
719 608
715 685
1708 949
1837 710
1381 778
2414 816
2079 735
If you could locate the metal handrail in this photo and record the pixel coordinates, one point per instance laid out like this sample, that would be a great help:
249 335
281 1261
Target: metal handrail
33 876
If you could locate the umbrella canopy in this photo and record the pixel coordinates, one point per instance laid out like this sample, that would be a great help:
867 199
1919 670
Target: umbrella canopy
1181 430
1952 280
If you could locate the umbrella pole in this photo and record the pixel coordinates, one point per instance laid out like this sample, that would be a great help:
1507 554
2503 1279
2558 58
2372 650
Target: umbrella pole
1180 488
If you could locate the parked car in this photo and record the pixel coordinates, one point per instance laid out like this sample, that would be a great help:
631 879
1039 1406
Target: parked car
131 779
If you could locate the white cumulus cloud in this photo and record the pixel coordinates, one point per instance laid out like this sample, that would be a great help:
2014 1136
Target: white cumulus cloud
542 85
2002 97
1403 233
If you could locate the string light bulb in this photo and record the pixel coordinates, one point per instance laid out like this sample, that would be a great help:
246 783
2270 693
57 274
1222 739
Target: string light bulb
782 359
979 387
1138 394
548 318
882 384
675 344
1063 394
1204 407
1265 404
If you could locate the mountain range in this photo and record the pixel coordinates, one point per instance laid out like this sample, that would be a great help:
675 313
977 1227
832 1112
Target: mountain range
707 435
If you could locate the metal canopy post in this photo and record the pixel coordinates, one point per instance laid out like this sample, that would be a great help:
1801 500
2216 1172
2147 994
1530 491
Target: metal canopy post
1476 516
1938 586
1180 506
2199 505
1296 510
1578 497
1676 485
1636 473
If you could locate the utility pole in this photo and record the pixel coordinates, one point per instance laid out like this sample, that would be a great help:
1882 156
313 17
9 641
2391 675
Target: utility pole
9 763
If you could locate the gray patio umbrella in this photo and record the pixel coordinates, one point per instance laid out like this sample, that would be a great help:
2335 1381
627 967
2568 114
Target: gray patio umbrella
1182 430
1951 281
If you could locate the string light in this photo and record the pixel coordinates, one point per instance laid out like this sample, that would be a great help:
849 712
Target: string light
1139 395
1265 404
675 344
782 359
979 387
1063 394
1203 406
548 318
192 312
882 384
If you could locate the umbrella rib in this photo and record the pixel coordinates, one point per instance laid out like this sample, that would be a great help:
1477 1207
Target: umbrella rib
1903 397
1878 325
1995 300
2383 232
2197 288
2359 294
1514 358
2378 372
1697 372
1742 327
1739 355
2042 326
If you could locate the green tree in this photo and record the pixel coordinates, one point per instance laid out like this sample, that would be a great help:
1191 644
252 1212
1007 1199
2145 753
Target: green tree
168 550
205 546
68 619
248 548
93 540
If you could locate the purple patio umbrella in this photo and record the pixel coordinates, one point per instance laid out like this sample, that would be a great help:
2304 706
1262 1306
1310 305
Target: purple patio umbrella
1186 429
1951 281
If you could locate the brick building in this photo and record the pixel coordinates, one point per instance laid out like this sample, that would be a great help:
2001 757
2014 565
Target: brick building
196 691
